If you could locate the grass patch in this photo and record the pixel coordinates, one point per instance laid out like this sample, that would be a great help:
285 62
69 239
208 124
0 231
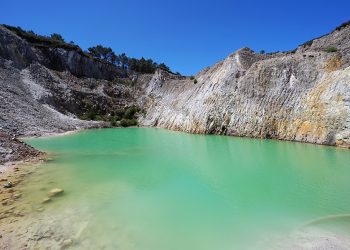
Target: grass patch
331 49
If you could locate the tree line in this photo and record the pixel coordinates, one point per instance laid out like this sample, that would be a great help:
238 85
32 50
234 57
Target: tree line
98 52
122 60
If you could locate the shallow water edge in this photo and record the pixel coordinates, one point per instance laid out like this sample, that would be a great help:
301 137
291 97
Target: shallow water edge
18 216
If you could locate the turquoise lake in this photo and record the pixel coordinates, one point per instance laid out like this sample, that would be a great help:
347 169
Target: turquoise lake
153 189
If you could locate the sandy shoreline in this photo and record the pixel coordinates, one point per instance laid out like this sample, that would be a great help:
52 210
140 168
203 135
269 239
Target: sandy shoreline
15 173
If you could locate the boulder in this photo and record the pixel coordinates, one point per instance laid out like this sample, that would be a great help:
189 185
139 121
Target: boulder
46 200
55 192
8 185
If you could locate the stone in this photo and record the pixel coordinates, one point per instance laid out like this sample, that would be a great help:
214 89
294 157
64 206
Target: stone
67 243
46 200
55 192
281 95
16 196
40 209
8 185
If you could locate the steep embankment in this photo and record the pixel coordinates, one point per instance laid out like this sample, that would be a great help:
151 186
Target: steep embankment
45 89
302 95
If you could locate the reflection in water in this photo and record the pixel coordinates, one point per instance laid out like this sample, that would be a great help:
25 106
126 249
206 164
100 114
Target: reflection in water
155 189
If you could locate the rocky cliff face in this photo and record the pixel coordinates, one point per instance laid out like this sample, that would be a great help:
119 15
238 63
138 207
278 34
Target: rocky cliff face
302 95
45 89
23 53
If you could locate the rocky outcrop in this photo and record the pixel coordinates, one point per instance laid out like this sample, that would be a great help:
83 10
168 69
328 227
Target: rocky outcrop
45 90
23 53
12 149
302 95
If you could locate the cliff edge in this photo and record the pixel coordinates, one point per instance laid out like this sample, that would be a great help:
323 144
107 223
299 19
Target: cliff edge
301 95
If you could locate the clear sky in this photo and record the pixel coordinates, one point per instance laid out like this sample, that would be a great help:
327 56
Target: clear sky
187 35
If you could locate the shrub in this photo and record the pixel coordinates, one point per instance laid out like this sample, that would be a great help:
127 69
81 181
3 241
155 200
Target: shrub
57 37
343 25
128 122
112 120
100 52
97 53
192 77
308 43
130 112
195 81
331 49
164 67
262 51
89 115
119 113
43 41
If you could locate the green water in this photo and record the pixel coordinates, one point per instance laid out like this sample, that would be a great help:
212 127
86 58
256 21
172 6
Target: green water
150 189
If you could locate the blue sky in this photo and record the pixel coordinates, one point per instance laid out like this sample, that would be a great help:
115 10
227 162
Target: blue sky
187 35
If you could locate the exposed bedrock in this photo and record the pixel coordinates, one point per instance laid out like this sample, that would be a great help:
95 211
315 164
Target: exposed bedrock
303 95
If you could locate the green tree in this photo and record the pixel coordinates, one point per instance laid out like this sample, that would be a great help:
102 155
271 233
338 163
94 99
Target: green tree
143 65
57 37
124 61
164 67
103 53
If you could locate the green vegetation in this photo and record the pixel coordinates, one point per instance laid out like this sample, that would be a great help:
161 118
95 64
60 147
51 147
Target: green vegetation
55 40
331 49
102 53
191 77
343 25
99 52
130 112
142 65
124 117
308 43
262 51
139 65
340 27
164 67
128 122
293 51
195 81
56 37
90 115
